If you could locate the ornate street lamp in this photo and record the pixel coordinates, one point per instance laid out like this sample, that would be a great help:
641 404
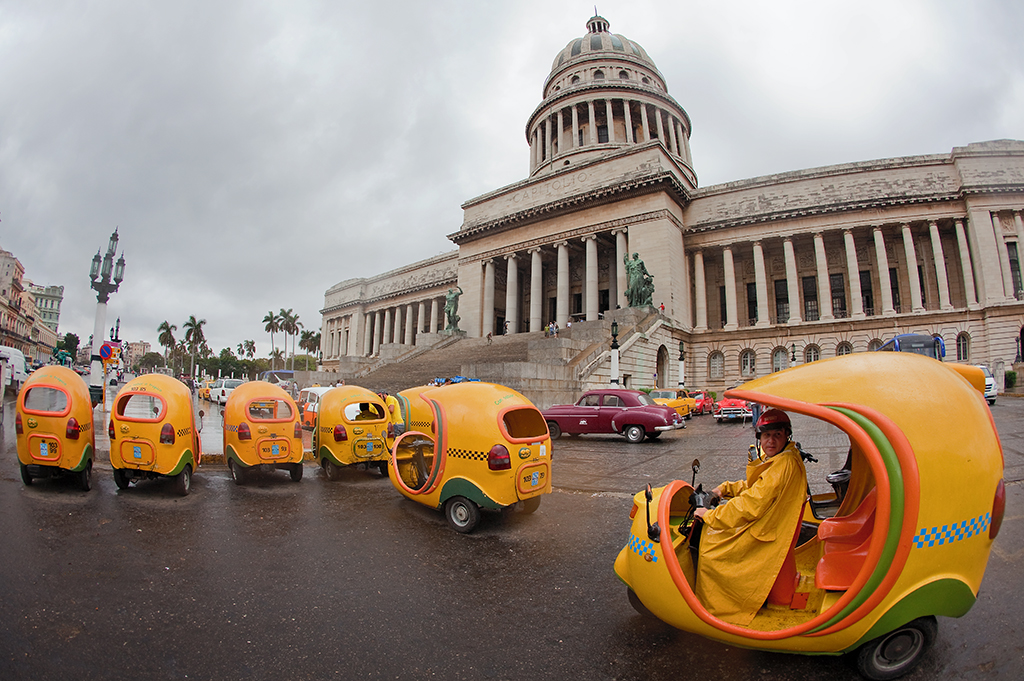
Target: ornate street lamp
100 273
682 365
1017 360
793 357
615 355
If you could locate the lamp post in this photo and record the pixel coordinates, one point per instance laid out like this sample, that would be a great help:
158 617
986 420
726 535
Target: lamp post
682 365
615 355
792 358
101 272
1017 359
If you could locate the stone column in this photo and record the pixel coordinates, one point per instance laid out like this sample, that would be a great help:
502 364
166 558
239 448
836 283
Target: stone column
914 279
592 131
645 127
355 340
434 311
378 331
575 127
558 132
630 138
673 147
421 318
562 299
700 292
488 311
591 298
621 251
940 266
686 148
761 282
408 324
367 335
396 336
965 265
1004 256
792 281
609 121
853 273
386 336
824 287
547 138
729 269
661 129
534 151
884 282
536 290
511 293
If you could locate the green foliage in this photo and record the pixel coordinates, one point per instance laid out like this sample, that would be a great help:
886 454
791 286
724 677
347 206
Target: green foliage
69 343
714 395
646 390
151 360
1009 380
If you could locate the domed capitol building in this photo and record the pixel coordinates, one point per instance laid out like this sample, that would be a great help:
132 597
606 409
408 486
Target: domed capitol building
751 276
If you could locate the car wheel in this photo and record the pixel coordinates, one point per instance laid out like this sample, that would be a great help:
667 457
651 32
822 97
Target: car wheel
992 401
462 514
653 436
634 434
689 415
637 604
183 481
382 466
237 474
121 479
555 431
330 469
85 477
530 505
896 653
26 477
296 471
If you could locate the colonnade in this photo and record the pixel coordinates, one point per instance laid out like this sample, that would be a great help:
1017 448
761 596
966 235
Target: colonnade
360 333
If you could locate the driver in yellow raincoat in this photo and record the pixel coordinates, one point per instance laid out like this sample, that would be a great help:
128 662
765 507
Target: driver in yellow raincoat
745 541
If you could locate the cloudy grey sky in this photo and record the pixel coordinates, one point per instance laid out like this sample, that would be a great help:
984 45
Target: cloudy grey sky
254 153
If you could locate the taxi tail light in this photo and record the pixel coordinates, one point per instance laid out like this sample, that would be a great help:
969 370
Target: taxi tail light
297 431
110 429
633 511
18 427
498 458
998 509
167 434
71 432
244 432
340 434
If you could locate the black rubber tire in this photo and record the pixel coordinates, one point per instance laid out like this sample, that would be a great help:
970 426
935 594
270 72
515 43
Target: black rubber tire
637 604
896 653
529 505
296 472
236 471
121 479
85 477
554 429
382 466
654 436
992 401
331 470
634 434
26 477
462 514
183 481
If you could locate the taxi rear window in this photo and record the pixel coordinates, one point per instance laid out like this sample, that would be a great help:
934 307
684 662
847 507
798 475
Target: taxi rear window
46 400
270 410
363 411
524 423
141 407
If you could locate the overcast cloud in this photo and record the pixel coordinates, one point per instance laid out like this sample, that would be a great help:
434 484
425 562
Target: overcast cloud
253 154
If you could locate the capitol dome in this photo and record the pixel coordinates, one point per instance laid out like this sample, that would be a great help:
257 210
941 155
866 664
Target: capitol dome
599 42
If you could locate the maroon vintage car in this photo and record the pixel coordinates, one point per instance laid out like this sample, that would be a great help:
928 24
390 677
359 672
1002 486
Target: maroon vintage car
613 410
705 402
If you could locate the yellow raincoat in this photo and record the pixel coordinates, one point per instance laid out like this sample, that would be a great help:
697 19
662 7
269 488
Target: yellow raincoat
745 541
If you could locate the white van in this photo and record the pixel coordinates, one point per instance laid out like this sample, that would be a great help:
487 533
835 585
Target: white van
15 370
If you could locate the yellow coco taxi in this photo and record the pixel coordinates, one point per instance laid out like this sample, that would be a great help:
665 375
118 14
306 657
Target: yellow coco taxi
352 428
153 432
471 446
262 431
910 539
54 426
677 399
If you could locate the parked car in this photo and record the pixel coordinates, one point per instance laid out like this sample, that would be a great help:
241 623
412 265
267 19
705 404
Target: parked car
613 410
309 403
677 399
204 390
731 409
990 384
262 431
703 401
221 393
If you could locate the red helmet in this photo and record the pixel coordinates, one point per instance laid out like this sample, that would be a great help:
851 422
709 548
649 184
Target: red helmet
774 419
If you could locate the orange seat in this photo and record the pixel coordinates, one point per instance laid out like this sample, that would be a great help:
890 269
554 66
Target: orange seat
845 541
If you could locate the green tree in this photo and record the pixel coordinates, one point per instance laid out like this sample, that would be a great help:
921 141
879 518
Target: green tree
69 343
166 337
272 325
195 338
310 342
250 348
151 360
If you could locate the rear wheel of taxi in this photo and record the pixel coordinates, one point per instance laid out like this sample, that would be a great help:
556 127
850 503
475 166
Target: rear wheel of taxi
634 434
530 505
237 474
555 431
183 481
330 469
85 477
462 514
296 472
26 477
121 479
896 653
382 466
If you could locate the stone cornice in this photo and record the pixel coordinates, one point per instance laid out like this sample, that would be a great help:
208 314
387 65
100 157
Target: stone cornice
363 302
647 184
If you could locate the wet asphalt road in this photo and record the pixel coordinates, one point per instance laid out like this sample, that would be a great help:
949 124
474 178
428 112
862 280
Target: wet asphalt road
316 580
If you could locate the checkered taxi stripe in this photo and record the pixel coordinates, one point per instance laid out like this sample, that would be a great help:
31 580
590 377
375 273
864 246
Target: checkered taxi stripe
947 534
467 454
182 432
643 548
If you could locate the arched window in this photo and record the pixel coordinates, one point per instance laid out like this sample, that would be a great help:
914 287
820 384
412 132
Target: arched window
623 75
812 353
747 363
780 359
716 365
575 80
874 345
645 81
598 75
963 347
844 348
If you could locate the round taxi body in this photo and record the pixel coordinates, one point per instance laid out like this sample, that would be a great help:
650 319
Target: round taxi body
261 427
54 422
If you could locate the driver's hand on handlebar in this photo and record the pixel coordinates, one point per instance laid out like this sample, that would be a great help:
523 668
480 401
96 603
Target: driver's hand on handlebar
716 494
700 512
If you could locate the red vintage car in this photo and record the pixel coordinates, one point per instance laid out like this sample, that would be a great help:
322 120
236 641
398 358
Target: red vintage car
731 409
613 410
705 402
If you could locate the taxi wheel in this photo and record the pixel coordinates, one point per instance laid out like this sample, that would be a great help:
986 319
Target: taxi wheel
555 431
26 477
183 481
85 477
237 474
530 505
634 434
382 466
121 479
462 514
331 470
296 472
637 604
896 653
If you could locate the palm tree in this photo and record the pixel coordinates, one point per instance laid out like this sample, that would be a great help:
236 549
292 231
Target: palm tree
310 342
273 324
166 337
274 356
250 348
194 337
241 350
290 324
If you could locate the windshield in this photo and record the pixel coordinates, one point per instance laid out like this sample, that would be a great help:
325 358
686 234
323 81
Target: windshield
645 399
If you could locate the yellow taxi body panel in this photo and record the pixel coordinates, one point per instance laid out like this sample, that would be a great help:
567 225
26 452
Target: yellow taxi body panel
681 402
154 427
261 425
449 432
935 482
352 426
50 398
